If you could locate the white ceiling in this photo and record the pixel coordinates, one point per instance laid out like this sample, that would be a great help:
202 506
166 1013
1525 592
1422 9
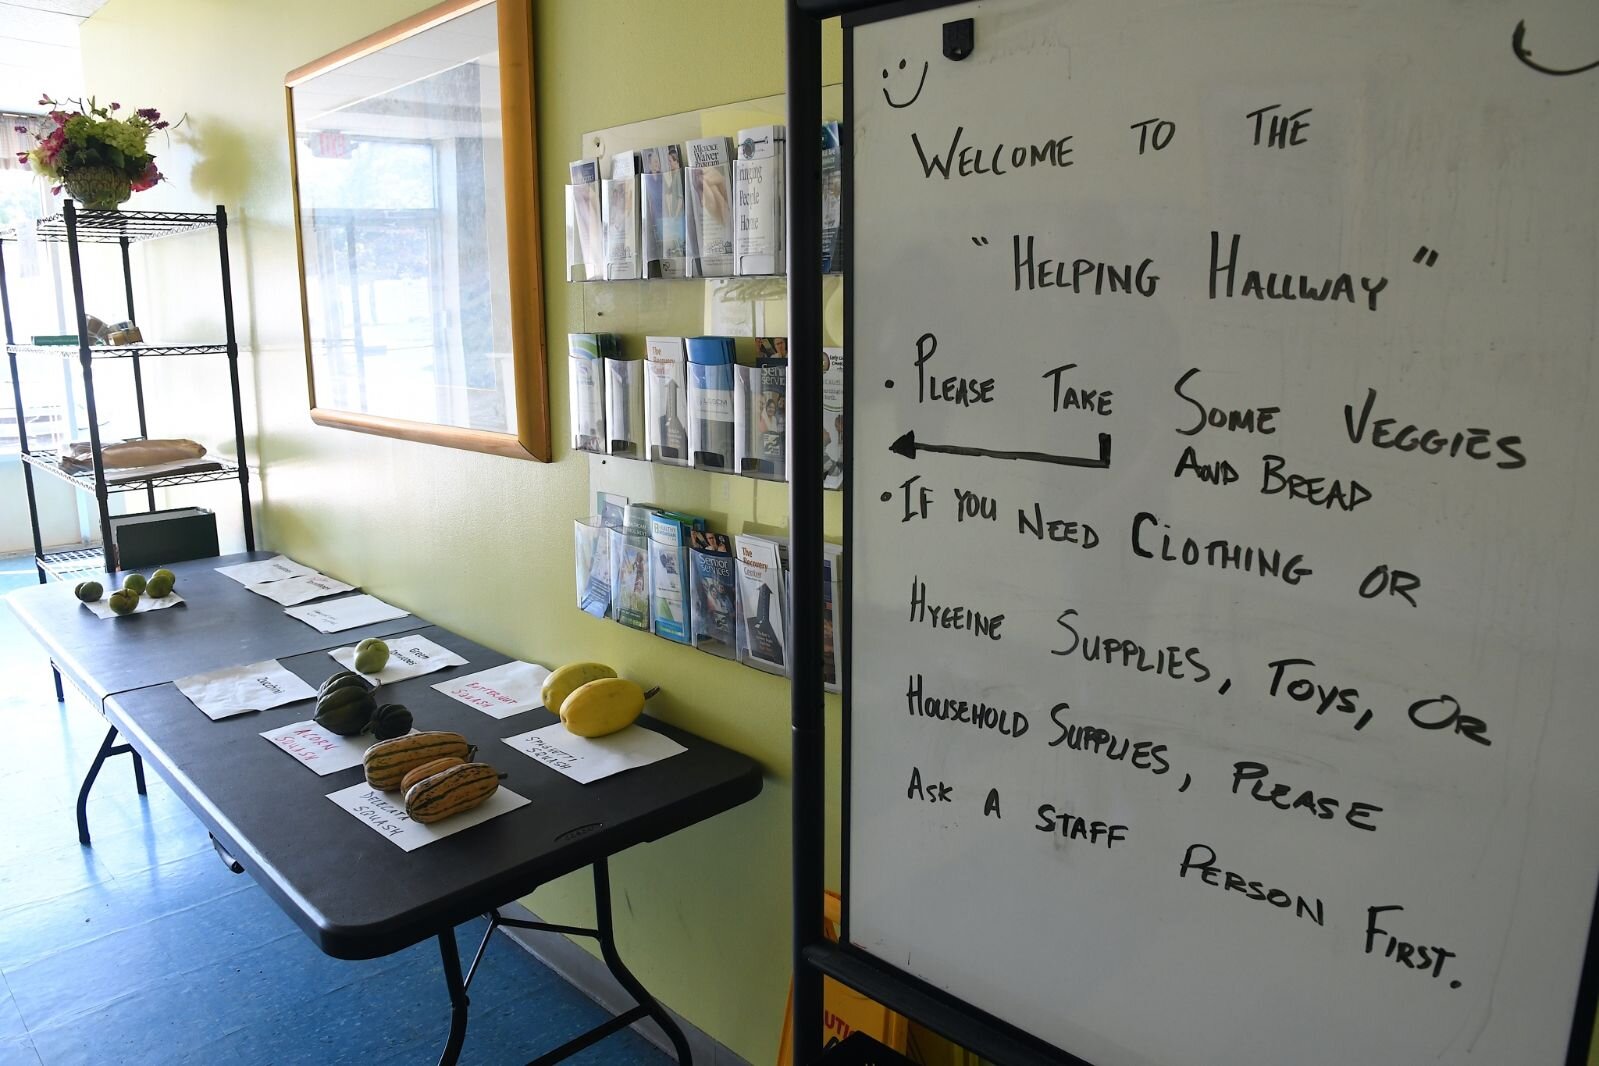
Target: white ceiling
39 50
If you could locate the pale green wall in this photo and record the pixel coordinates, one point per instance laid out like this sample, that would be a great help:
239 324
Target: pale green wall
476 543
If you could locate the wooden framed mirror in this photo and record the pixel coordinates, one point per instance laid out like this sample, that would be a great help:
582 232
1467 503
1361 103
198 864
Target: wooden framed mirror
414 163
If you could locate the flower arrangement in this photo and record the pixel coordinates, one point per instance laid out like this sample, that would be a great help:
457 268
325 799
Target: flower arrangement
100 158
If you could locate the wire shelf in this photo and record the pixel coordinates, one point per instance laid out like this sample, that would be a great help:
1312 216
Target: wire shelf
119 351
110 227
49 462
67 564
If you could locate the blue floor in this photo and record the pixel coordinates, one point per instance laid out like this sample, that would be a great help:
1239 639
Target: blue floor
144 949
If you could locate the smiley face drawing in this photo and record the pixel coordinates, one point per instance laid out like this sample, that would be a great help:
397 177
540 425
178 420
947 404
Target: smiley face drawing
914 96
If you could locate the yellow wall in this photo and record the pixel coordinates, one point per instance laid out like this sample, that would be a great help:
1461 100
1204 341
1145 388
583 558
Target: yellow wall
479 544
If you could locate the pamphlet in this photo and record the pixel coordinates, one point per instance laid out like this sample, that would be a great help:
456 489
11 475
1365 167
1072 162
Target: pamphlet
624 407
587 353
832 614
585 233
710 398
591 544
709 182
666 401
832 418
714 594
664 227
669 580
763 639
630 568
758 178
832 200
622 218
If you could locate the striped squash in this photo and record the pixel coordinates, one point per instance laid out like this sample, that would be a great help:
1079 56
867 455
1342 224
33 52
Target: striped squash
388 761
428 769
460 788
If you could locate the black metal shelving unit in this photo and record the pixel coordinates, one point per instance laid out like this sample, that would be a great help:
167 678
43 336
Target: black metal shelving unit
74 227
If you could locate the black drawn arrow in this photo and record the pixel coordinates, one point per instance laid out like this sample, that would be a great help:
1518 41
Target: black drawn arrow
908 446
1518 44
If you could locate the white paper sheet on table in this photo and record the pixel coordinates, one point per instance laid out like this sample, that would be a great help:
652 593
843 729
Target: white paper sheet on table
501 691
321 750
102 608
384 813
263 570
409 656
586 759
351 612
292 591
241 689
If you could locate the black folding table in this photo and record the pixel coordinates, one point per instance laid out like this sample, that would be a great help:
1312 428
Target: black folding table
355 893
219 624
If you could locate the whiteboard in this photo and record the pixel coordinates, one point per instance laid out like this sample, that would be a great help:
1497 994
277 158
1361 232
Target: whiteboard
1290 572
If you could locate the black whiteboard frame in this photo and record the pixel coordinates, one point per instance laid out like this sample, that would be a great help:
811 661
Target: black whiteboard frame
814 956
961 1022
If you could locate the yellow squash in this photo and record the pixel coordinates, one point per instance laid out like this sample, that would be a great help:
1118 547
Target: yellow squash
602 707
568 679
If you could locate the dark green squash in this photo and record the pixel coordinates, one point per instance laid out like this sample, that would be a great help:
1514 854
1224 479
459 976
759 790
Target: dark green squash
344 679
389 721
345 710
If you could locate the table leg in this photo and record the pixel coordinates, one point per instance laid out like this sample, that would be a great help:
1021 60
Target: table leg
613 961
646 1005
108 748
458 1000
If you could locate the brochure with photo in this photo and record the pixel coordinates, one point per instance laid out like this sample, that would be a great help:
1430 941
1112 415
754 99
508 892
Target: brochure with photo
664 231
714 607
708 180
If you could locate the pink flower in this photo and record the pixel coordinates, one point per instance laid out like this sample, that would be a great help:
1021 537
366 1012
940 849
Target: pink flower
116 106
149 114
147 180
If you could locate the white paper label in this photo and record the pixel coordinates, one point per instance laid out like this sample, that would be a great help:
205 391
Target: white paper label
500 692
241 689
257 573
349 613
385 815
303 589
410 656
586 759
320 749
